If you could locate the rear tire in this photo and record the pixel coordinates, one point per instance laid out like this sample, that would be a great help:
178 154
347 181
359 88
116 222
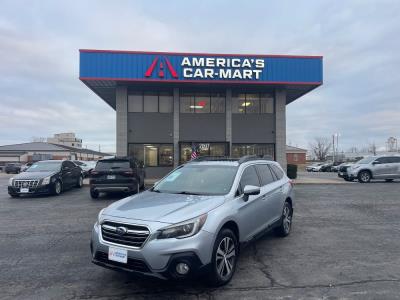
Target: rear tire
94 194
364 176
224 258
286 221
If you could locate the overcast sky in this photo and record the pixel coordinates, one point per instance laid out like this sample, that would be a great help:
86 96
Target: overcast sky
40 93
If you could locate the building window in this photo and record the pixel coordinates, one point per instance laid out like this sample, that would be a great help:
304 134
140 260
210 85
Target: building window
161 102
203 149
252 104
202 103
153 155
239 150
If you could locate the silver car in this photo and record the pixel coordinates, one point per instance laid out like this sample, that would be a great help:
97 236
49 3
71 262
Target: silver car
375 167
194 220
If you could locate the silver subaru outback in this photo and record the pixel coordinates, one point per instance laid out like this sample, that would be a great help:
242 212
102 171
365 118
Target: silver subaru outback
375 167
195 219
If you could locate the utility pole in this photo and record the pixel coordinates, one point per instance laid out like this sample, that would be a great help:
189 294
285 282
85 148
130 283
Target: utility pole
333 148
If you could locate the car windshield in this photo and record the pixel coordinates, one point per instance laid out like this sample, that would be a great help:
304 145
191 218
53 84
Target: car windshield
198 180
45 166
77 162
105 165
366 160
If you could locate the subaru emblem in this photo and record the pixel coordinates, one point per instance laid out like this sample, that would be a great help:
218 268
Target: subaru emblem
121 230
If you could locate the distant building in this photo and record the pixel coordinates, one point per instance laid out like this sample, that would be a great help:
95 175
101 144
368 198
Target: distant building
36 151
67 139
296 156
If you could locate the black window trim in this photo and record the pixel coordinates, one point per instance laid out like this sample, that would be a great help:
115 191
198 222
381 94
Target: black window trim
260 177
192 95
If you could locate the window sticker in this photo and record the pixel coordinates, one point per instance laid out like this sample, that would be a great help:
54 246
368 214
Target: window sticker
173 176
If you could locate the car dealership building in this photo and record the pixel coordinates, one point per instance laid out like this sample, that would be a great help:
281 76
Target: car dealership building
170 104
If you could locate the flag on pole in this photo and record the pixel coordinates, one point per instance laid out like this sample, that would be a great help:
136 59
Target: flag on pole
194 154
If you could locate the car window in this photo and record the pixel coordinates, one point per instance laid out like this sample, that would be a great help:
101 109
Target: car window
105 165
265 174
383 160
277 171
69 164
395 159
249 177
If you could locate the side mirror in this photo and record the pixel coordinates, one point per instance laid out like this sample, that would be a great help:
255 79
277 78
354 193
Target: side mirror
375 162
155 183
250 190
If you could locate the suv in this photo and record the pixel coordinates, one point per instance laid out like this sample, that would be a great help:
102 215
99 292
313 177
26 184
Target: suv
116 174
194 219
375 167
12 168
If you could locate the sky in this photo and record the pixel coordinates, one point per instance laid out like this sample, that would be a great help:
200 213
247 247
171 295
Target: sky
40 93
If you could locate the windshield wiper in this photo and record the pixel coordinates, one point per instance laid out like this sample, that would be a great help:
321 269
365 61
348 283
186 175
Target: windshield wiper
188 193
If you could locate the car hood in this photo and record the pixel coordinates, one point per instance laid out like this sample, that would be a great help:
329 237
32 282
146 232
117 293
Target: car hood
33 175
163 207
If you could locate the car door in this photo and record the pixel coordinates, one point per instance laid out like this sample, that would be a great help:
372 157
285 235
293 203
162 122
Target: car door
67 174
392 169
279 191
250 213
381 167
396 169
269 193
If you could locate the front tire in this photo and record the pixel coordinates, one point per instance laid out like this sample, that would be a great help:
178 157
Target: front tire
224 258
94 194
286 221
57 189
364 176
79 184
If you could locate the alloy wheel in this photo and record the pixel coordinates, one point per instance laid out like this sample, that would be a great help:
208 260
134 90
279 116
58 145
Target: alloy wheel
58 188
225 257
287 219
365 177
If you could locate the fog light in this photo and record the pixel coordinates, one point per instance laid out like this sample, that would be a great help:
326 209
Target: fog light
182 268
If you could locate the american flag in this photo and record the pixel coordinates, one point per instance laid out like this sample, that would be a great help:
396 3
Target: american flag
194 152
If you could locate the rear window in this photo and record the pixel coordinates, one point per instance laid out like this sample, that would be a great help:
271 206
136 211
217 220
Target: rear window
105 165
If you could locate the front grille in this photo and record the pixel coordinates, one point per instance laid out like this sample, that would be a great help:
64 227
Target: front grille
132 264
124 234
25 183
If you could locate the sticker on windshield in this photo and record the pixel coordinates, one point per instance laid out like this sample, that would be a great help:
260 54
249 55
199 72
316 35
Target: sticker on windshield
173 176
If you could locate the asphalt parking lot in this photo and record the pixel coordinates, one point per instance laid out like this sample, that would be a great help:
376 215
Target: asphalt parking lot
344 245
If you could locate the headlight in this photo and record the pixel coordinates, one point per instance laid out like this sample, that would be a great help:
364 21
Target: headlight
355 167
184 229
46 180
10 181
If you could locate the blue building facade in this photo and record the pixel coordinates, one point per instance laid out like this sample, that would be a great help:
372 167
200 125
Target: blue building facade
168 104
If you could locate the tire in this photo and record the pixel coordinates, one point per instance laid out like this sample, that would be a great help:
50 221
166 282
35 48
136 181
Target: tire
286 220
94 194
57 188
223 267
389 180
14 195
79 184
364 176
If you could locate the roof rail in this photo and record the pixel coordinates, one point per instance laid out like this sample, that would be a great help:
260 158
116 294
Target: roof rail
214 158
247 158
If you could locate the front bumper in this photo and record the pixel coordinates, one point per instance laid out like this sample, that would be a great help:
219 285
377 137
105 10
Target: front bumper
39 190
158 258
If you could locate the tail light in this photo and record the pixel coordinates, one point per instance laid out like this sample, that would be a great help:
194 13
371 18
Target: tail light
291 181
128 173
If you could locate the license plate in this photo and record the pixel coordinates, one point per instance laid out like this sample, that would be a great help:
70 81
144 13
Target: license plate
110 176
24 190
118 254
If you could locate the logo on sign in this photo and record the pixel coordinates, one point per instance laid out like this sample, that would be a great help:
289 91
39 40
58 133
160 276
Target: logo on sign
159 63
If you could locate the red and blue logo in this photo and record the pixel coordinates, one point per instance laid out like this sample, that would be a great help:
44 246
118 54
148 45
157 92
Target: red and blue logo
159 63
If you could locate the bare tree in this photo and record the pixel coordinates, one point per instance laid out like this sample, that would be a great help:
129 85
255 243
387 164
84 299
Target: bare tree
38 139
320 147
372 148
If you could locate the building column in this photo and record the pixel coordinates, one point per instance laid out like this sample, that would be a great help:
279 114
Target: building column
121 108
176 127
280 127
228 113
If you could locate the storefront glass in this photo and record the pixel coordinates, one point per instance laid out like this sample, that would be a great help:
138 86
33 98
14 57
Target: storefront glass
203 149
239 150
153 155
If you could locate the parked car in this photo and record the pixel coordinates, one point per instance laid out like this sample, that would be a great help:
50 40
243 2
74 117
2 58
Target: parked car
194 219
12 168
117 174
314 167
86 166
375 167
326 167
335 166
46 177
342 171
26 166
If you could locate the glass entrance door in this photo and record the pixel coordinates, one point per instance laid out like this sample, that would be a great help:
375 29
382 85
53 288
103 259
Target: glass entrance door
203 149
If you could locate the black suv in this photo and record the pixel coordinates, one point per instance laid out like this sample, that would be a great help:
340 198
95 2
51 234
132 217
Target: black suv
46 177
117 174
12 168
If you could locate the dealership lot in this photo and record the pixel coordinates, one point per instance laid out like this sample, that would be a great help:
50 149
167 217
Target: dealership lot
344 243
